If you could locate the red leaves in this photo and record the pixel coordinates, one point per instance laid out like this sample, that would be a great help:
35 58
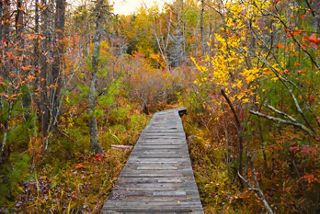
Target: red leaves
311 98
304 150
294 149
309 150
98 157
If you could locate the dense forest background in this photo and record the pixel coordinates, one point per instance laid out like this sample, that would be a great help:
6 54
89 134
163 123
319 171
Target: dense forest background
76 81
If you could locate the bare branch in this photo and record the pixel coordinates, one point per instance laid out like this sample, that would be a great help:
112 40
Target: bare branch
283 121
257 190
281 113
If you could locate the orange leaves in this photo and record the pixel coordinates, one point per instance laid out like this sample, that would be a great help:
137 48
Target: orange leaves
280 46
10 55
286 71
96 158
296 32
30 78
313 39
1 81
267 72
10 97
34 36
26 68
301 71
79 166
293 33
297 64
309 178
138 54
35 149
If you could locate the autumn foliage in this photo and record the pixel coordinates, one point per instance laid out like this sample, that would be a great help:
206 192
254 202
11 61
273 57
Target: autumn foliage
247 71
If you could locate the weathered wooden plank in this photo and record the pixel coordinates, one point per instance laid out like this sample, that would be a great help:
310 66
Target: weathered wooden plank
158 176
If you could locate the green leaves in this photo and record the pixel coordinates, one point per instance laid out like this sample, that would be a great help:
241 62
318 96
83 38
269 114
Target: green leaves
13 172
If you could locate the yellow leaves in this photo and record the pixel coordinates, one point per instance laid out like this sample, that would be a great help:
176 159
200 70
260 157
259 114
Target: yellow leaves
237 84
235 8
251 74
200 68
207 58
246 100
219 38
67 99
155 57
230 23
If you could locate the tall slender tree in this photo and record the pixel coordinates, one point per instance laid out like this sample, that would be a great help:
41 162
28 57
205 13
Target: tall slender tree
57 66
43 103
203 43
100 17
5 20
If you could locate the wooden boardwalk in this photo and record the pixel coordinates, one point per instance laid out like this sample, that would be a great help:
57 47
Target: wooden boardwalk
158 176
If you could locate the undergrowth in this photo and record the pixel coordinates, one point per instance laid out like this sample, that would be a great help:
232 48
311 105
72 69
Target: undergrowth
218 191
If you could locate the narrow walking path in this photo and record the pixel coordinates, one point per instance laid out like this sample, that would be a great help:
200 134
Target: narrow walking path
158 176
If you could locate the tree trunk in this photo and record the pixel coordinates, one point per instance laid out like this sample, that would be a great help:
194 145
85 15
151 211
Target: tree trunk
57 65
239 133
1 24
6 16
183 31
43 104
19 25
176 51
95 67
37 41
203 44
19 20
5 20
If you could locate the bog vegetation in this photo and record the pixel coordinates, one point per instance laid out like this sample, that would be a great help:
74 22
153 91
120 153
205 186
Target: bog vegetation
76 80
